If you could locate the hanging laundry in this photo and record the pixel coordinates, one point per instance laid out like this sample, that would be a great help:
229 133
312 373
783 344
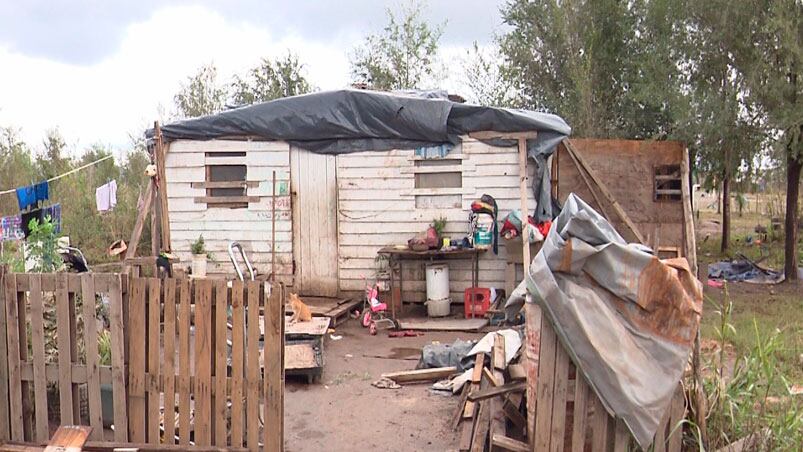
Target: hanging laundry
53 212
10 228
32 194
106 196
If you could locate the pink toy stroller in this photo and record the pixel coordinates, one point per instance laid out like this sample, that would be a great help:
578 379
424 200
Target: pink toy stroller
374 312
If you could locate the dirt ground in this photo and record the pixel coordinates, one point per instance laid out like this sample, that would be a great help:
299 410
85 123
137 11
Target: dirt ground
344 412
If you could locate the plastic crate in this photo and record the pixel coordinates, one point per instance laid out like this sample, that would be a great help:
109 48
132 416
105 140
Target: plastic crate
479 298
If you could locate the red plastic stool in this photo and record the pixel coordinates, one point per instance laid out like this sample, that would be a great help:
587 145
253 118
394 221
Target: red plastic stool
479 298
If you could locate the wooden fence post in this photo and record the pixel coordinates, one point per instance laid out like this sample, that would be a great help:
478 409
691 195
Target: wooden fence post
274 370
4 395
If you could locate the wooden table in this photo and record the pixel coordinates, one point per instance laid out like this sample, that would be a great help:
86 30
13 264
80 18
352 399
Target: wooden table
396 257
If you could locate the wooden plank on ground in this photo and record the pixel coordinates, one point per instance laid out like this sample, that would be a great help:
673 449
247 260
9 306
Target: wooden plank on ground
221 364
500 441
5 430
252 364
154 332
203 362
481 426
474 384
419 375
498 363
92 359
579 421
546 382
136 374
118 359
511 408
517 372
15 381
237 354
169 287
184 370
443 325
274 373
38 345
559 397
497 391
69 438
459 412
64 350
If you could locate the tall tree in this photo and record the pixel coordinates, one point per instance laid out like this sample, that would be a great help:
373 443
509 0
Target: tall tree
727 128
482 69
282 77
773 62
402 56
200 94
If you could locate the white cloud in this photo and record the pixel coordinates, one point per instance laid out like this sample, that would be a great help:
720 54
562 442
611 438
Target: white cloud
122 94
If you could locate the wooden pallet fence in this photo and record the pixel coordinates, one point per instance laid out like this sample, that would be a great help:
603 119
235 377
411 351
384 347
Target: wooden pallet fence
569 416
66 358
195 373
190 367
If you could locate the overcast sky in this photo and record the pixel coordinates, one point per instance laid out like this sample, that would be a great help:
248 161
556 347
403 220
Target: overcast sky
100 70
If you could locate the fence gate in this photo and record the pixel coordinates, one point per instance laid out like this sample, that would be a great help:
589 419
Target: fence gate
188 362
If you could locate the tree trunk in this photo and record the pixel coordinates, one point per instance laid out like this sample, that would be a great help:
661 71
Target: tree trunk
726 213
793 169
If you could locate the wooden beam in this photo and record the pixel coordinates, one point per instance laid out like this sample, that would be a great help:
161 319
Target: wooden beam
590 187
225 199
496 391
160 154
517 372
225 184
410 376
492 134
140 223
503 442
68 438
605 192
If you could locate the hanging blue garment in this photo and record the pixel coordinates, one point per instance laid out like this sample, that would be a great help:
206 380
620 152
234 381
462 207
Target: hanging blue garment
32 194
26 197
42 190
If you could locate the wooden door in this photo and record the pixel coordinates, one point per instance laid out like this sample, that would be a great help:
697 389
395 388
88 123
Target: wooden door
314 189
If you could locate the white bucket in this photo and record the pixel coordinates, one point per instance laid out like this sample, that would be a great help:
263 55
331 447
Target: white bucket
439 308
198 266
437 281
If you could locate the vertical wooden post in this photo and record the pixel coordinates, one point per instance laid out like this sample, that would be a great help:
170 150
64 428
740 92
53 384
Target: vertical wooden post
160 156
4 396
532 312
274 370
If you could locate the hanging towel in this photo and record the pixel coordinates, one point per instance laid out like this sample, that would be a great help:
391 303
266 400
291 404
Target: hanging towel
106 196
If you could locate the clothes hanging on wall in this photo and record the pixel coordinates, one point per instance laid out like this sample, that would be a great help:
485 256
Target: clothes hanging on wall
11 228
106 196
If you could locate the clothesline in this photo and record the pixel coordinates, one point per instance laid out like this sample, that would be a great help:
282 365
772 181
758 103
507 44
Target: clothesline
72 171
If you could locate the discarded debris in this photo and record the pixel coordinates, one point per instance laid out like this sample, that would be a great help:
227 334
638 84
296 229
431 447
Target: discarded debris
411 376
385 383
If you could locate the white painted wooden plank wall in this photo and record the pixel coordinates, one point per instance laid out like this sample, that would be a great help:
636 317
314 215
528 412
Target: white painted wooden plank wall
251 227
376 209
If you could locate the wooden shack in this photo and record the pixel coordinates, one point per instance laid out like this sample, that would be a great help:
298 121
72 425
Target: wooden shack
333 212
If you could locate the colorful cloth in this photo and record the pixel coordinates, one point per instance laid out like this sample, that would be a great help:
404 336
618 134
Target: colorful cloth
54 212
32 194
10 228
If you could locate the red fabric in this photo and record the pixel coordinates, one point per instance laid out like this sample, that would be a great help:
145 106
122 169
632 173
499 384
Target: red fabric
544 227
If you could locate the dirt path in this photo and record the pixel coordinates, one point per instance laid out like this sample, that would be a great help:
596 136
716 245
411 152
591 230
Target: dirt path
344 412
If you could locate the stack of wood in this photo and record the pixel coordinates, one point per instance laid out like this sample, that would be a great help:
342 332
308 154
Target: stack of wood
490 413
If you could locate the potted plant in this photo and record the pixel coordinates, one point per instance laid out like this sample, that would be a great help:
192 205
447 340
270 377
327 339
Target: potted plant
199 257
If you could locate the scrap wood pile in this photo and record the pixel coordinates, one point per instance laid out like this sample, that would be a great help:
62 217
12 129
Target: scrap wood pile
490 401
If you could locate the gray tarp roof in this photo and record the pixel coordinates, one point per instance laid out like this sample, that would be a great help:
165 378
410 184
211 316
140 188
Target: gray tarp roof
336 122
627 319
